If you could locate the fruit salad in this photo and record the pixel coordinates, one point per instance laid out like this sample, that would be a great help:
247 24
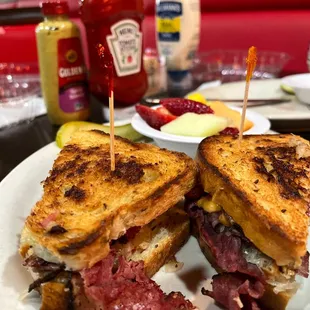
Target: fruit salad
187 117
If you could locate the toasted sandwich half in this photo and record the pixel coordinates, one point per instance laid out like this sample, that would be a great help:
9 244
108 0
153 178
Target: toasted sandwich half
87 212
252 219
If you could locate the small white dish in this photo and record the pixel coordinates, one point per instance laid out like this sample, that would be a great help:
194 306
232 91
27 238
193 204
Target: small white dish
188 145
300 83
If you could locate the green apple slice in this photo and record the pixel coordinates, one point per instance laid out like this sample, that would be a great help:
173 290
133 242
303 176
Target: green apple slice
196 125
65 132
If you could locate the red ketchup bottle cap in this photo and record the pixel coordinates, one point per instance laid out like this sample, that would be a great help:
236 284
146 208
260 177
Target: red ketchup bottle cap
55 8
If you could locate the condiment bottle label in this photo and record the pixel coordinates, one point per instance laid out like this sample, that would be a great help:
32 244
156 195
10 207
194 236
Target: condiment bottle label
73 94
168 19
125 44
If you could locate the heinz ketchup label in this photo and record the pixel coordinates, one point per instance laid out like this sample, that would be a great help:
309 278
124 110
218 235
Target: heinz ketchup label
125 44
73 94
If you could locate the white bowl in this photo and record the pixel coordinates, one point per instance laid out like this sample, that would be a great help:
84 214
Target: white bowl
188 145
300 84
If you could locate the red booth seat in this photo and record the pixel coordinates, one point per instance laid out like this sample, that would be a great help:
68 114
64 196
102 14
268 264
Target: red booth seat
268 24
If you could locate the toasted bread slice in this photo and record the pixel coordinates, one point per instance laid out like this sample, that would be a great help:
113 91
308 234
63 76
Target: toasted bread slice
85 205
158 241
263 184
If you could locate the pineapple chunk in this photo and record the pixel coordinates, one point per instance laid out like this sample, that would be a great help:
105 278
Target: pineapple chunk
196 125
197 97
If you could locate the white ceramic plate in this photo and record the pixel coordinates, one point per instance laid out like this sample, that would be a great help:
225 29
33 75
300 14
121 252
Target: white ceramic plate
261 89
21 189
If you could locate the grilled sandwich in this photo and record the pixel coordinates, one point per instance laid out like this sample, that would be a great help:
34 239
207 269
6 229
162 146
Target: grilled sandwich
252 217
90 215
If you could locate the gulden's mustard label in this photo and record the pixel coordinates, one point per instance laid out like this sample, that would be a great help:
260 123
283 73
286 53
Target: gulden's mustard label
62 70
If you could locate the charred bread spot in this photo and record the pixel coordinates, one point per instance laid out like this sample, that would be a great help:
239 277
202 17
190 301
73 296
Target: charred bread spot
283 152
82 168
282 170
70 148
283 210
76 193
287 175
159 191
73 248
260 168
289 191
57 229
131 172
59 170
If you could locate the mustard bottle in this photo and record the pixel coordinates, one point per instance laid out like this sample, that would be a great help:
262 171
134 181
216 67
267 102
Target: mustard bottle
62 68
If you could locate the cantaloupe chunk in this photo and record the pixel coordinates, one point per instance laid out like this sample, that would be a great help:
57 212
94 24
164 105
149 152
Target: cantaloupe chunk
196 125
220 109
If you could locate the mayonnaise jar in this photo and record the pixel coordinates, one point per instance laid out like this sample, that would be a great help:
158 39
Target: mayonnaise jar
178 32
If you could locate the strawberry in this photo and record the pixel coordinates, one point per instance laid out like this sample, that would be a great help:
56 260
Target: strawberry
230 131
179 106
155 118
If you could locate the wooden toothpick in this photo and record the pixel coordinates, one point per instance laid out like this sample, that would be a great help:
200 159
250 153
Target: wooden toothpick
108 67
111 108
251 64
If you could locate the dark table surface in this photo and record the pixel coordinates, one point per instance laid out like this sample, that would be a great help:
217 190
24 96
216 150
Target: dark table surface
19 141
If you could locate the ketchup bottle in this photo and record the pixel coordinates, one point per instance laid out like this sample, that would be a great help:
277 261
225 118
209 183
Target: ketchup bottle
116 24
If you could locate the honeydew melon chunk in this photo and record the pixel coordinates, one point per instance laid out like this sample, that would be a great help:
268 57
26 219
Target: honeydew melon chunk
196 125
